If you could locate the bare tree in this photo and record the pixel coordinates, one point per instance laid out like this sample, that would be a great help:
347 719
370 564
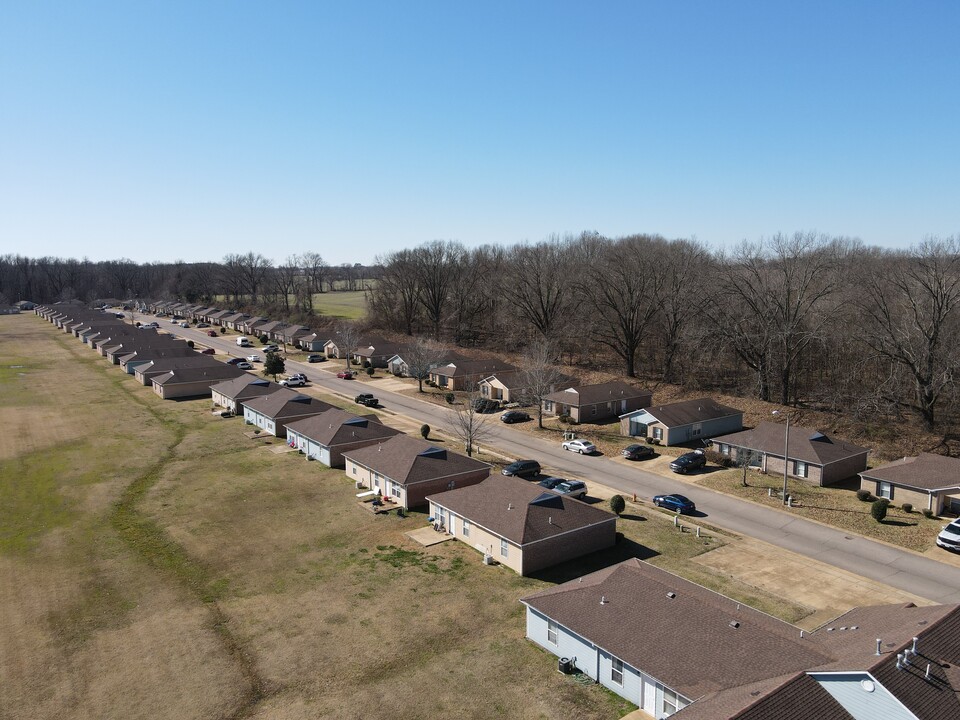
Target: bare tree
347 336
538 284
685 264
468 424
540 375
395 300
436 270
911 307
421 356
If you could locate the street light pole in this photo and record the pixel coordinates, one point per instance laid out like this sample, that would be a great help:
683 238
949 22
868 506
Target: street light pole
786 451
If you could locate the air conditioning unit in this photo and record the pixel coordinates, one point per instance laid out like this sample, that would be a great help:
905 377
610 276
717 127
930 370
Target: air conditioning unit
488 559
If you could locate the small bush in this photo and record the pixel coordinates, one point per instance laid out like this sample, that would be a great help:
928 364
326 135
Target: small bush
718 458
927 513
618 504
189 343
879 509
654 441
907 507
425 431
264 340
864 495
370 371
366 364
449 397
565 419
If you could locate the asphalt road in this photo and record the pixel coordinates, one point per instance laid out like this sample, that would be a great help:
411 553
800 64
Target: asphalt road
883 563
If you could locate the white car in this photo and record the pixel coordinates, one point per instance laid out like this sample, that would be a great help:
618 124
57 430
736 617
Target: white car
584 447
244 365
293 382
949 537
254 358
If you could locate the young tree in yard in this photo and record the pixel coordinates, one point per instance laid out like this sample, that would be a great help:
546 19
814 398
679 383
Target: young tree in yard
347 337
618 504
422 355
540 375
273 364
879 509
468 424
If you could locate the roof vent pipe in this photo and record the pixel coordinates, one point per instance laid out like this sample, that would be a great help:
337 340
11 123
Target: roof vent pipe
550 520
603 599
927 674
801 634
899 658
879 643
914 648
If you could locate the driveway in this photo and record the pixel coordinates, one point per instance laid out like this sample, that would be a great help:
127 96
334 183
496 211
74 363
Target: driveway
902 569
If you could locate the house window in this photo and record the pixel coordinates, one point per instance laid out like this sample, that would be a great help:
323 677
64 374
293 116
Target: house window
548 405
616 671
551 632
354 468
593 409
671 702
504 548
395 490
696 430
723 449
885 490
657 433
799 468
466 528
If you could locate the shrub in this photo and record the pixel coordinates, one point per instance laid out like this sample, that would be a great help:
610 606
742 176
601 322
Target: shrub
618 504
718 458
907 507
653 441
264 340
879 509
189 343
864 495
927 513
565 419
370 371
449 398
425 431
366 364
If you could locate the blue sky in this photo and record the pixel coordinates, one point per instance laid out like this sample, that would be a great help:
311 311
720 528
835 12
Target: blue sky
188 130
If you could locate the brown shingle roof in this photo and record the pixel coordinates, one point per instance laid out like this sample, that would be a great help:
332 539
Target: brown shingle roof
638 615
213 373
285 403
926 472
691 411
460 368
335 427
806 444
520 511
602 392
246 386
407 460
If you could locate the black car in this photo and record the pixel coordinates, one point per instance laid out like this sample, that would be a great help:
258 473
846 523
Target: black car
514 416
369 402
637 452
551 482
677 503
316 358
363 396
522 468
689 461
485 405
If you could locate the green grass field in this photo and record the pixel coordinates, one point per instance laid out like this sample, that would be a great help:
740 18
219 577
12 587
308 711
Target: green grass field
346 305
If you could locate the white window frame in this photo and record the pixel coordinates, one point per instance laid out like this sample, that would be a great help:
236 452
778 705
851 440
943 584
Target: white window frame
465 525
395 490
552 632
800 468
616 671
723 449
657 432
504 548
671 702
885 490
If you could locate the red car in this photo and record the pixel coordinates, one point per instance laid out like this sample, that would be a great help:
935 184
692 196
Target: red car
212 333
345 375
208 351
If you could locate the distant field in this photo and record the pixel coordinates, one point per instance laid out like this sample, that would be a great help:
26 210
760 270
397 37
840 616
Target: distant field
347 305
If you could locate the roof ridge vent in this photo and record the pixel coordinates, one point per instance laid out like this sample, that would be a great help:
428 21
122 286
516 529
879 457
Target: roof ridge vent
671 594
734 624
603 600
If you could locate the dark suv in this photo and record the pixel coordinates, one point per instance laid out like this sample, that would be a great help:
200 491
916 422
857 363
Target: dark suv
514 416
522 468
689 461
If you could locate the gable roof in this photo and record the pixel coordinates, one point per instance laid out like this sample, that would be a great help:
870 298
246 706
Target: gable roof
485 367
806 444
285 402
580 395
213 373
336 427
688 412
407 460
925 471
520 511
246 386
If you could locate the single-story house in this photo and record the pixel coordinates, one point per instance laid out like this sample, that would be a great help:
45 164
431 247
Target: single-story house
272 412
522 525
217 317
408 469
681 422
251 326
193 382
464 374
398 364
232 394
325 437
312 342
234 321
131 361
162 365
596 403
273 330
377 352
926 481
503 386
331 349
24 305
812 455
145 342
291 334
677 649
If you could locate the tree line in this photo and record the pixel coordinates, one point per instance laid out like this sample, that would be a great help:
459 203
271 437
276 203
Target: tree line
801 319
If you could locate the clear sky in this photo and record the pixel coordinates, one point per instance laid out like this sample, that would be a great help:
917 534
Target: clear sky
188 130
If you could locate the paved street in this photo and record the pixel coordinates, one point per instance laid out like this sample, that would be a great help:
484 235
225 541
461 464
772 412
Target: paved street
905 570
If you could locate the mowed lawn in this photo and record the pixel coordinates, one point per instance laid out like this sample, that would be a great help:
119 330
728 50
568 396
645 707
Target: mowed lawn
346 304
156 563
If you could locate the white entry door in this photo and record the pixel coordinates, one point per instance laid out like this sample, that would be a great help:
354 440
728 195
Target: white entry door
648 695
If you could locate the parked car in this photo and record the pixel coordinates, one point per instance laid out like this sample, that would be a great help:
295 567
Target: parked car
203 325
208 351
345 375
244 365
514 416
522 468
485 405
254 358
363 396
637 452
689 461
370 402
584 447
293 382
316 358
271 348
677 503
551 482
212 333
949 537
184 324
574 488
235 361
